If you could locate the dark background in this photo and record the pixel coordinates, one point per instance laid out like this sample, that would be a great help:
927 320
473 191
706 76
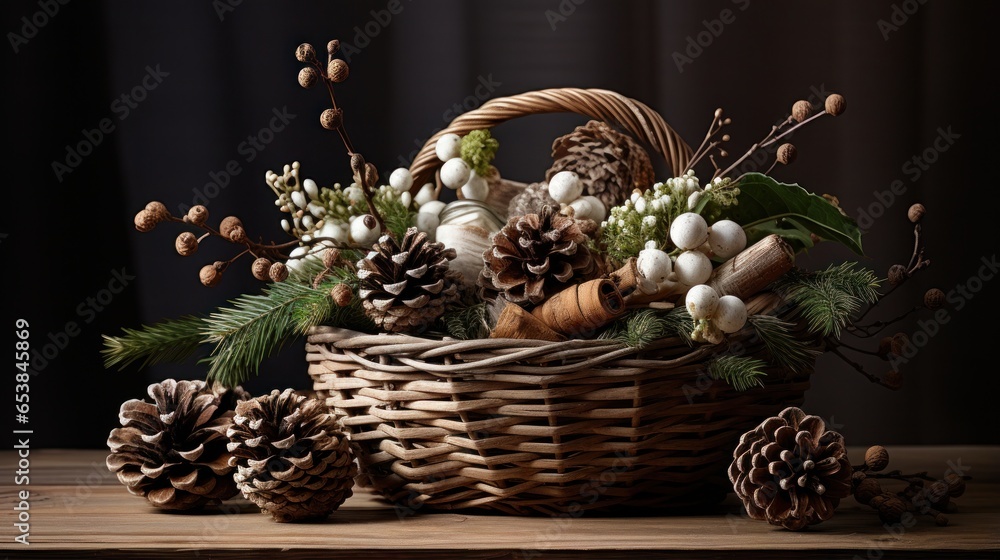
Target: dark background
229 66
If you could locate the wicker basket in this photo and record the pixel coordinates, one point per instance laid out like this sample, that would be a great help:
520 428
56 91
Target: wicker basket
535 427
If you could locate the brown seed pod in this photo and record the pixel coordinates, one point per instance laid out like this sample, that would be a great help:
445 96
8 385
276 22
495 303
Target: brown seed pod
866 490
884 347
897 274
228 224
835 104
330 257
337 70
261 269
238 235
211 274
158 210
892 509
186 244
333 46
144 221
933 298
894 379
802 110
956 485
876 458
786 153
916 213
278 272
305 53
342 295
331 119
899 343
308 77
197 215
371 175
357 163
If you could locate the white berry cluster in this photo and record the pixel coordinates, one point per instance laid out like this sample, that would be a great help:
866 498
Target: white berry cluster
456 173
566 188
714 315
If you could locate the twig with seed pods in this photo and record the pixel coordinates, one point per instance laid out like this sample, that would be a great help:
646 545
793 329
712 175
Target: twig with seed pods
336 71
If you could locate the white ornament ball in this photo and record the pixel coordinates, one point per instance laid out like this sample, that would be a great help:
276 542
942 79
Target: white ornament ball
455 173
476 188
701 301
425 194
726 238
692 268
689 231
432 207
401 180
448 146
654 265
730 314
565 187
363 235
427 222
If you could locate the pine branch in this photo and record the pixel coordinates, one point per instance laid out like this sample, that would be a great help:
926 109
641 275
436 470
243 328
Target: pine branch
784 349
467 323
172 340
640 328
830 297
740 372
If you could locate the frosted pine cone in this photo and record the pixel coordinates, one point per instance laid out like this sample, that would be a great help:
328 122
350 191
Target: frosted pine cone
173 451
291 459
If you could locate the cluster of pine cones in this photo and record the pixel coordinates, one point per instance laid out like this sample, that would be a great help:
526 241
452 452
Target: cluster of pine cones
197 445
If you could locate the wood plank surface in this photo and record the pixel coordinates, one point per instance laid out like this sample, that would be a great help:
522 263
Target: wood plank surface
79 510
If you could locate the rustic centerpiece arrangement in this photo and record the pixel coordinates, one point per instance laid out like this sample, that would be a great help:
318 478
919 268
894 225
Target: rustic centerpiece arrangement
596 338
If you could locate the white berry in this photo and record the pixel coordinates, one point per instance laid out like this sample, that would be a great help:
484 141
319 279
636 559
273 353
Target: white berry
565 187
405 198
476 188
427 222
432 207
401 180
311 189
726 238
689 231
455 173
701 301
692 268
654 265
448 146
730 314
333 231
362 234
425 194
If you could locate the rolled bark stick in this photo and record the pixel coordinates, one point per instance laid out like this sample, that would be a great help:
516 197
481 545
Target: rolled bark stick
754 269
582 308
515 322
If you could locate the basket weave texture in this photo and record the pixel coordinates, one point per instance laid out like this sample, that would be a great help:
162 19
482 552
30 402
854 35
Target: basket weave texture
536 427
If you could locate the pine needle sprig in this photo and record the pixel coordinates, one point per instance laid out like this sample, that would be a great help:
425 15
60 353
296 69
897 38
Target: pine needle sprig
740 372
784 348
639 329
172 340
829 298
467 323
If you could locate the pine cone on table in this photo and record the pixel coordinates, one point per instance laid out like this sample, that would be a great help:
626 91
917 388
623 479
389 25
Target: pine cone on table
405 286
290 457
791 471
533 256
610 164
173 451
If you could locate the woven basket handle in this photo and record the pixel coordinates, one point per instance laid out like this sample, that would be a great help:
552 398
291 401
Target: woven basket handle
645 124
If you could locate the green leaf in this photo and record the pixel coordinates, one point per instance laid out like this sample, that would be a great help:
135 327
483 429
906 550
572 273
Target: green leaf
764 201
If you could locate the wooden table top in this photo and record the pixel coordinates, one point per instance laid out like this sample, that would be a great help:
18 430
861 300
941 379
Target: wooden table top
78 509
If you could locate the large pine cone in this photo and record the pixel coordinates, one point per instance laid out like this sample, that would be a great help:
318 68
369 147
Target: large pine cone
536 255
610 164
291 459
406 286
173 451
791 471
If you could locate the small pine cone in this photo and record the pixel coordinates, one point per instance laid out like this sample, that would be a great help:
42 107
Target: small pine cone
337 70
610 164
278 272
897 274
211 274
228 224
916 213
405 286
866 490
791 471
197 215
291 459
876 458
801 110
158 210
934 298
186 244
261 269
144 221
173 451
536 255
835 104
531 200
342 295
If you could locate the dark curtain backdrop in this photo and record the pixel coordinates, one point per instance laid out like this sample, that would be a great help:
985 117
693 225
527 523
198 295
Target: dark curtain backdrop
221 69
